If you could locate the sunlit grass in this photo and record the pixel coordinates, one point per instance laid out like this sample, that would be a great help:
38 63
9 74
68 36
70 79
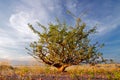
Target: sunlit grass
101 71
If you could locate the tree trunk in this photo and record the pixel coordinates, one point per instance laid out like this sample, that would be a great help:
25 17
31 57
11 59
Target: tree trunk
62 68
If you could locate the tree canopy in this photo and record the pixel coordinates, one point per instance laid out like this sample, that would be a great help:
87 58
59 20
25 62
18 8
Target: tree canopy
61 46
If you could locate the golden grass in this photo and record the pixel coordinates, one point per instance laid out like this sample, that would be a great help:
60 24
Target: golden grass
103 71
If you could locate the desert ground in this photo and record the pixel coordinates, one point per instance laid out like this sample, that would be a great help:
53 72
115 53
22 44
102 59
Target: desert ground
79 72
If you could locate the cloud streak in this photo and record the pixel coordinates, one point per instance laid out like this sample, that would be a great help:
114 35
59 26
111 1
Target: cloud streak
17 35
13 45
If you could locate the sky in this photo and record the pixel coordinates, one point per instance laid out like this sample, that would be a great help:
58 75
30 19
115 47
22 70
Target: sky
15 35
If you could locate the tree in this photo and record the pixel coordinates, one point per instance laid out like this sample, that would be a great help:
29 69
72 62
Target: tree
62 46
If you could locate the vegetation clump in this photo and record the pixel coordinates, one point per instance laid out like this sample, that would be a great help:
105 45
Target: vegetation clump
62 46
6 67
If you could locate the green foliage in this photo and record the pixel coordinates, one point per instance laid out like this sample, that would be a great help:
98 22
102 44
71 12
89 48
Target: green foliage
60 44
117 75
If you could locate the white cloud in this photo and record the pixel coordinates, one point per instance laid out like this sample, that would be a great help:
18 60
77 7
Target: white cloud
31 12
14 55
104 24
12 45
19 22
43 11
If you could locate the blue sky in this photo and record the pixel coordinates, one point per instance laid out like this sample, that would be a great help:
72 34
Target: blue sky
16 14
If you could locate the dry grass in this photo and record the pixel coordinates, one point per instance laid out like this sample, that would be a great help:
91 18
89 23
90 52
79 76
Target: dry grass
84 72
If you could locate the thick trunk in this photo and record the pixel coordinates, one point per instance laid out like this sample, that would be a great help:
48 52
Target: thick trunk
62 68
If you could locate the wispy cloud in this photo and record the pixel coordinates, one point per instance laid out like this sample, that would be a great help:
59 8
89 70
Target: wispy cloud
16 35
13 45
106 18
19 21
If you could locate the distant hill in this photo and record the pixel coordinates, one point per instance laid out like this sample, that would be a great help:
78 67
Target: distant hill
19 62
